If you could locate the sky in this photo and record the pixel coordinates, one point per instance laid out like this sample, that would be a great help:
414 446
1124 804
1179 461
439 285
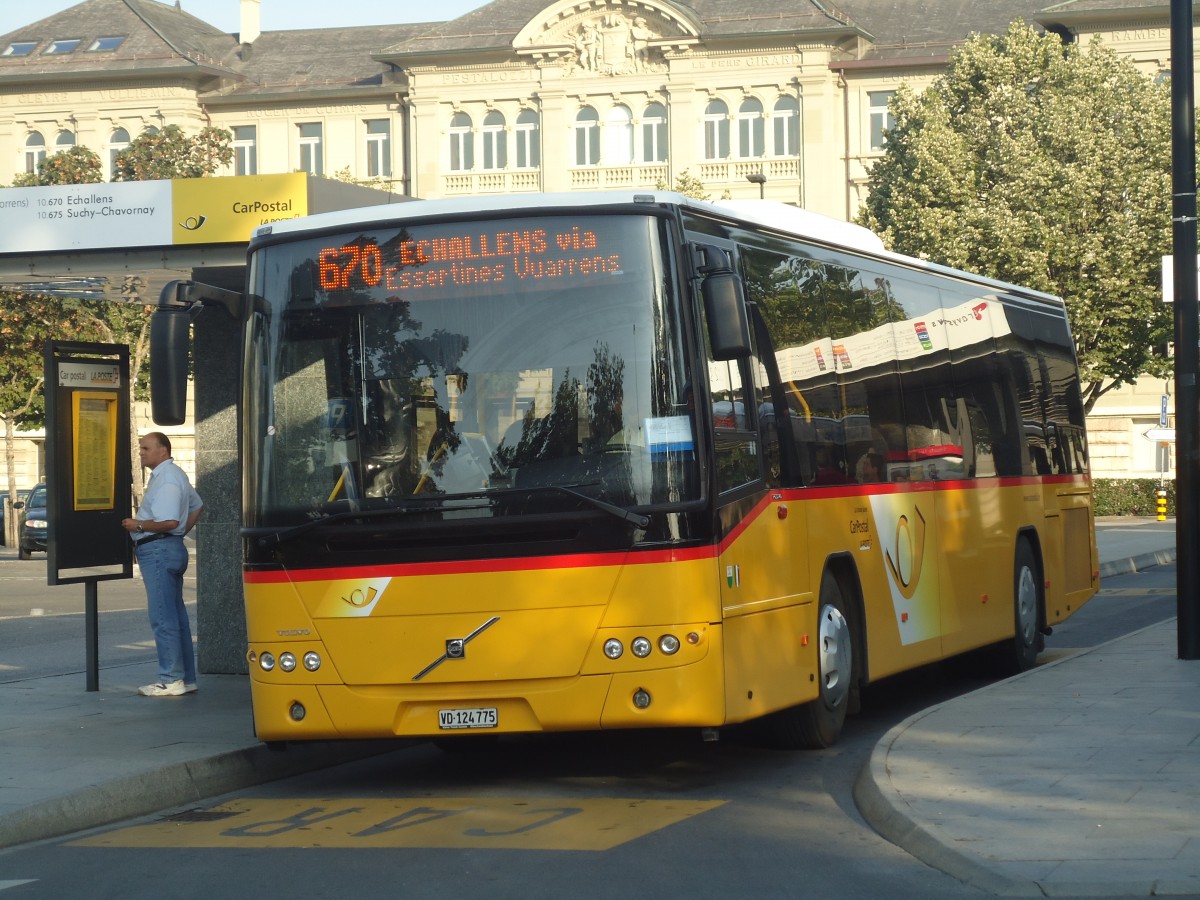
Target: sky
277 15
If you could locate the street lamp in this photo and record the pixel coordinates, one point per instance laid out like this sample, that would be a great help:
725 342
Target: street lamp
761 180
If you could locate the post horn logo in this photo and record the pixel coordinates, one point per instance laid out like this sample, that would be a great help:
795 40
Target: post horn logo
912 538
193 223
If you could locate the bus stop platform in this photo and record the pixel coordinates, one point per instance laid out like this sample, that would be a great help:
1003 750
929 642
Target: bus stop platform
1079 778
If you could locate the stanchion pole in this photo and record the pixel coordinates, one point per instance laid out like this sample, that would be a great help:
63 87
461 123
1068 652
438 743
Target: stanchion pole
1187 328
91 597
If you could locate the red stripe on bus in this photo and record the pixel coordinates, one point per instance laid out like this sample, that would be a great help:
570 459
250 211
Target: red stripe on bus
486 566
646 557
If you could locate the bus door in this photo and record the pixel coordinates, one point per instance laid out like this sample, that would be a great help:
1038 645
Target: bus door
1058 441
768 610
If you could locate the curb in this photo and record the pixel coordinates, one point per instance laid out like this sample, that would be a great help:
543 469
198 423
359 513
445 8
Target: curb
177 784
892 822
1137 563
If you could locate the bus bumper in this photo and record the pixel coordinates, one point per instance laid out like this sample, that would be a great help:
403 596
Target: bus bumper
682 696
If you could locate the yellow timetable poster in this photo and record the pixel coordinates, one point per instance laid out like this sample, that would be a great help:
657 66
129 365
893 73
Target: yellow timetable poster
94 420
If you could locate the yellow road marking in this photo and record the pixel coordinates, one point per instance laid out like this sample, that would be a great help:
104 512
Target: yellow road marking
548 823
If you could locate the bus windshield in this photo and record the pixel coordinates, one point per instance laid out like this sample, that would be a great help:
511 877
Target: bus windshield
449 365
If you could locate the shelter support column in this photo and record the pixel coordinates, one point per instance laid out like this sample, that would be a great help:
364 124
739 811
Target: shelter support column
220 616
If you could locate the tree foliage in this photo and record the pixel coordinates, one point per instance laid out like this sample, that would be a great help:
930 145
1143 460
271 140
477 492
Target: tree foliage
79 165
1047 166
688 185
171 153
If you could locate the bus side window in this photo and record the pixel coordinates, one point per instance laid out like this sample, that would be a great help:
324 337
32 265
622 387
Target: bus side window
736 444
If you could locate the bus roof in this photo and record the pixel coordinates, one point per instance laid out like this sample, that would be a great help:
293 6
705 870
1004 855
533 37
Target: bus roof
769 214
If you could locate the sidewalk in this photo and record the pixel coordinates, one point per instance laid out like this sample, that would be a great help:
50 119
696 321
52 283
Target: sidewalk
1081 777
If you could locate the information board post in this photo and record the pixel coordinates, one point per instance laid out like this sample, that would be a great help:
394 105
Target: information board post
1187 326
88 489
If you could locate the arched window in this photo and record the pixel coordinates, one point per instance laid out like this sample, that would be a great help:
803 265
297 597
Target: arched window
716 130
64 141
495 141
751 127
35 151
528 138
587 137
117 142
785 126
462 143
654 133
618 136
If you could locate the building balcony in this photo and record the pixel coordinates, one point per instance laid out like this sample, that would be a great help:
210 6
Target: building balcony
498 181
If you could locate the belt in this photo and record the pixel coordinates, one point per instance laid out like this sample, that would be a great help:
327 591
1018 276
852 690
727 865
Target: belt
156 537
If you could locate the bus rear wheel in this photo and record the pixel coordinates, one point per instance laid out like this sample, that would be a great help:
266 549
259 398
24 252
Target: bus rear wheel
819 722
1019 653
1028 641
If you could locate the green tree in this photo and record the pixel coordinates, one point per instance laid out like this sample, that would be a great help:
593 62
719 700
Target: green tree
689 186
27 321
171 153
79 165
1048 166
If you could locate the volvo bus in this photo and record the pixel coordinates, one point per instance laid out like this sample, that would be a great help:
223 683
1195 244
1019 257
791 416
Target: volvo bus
632 460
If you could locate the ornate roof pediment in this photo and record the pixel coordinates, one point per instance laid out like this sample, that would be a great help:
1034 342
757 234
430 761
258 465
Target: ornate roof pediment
597 38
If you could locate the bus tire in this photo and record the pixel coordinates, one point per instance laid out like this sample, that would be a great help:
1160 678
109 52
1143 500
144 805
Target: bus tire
1027 640
818 723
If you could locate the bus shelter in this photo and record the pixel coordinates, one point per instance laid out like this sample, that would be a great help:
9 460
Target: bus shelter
122 242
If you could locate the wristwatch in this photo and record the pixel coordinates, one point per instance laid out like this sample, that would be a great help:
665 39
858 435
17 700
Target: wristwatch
140 529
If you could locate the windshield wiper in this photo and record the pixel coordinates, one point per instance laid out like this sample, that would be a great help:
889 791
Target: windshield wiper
281 535
625 515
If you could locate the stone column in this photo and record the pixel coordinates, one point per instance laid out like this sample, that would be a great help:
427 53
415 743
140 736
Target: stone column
220 617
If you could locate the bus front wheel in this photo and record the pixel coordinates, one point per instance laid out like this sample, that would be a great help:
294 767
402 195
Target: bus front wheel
818 723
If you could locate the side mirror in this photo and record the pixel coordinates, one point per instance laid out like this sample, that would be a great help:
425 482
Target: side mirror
726 315
169 338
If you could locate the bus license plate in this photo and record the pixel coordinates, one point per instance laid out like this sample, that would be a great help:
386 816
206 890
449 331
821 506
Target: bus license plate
482 717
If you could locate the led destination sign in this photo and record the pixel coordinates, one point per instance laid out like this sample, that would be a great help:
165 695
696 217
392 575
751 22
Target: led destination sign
441 258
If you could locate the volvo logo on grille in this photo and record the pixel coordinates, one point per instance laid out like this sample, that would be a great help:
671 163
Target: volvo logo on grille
456 648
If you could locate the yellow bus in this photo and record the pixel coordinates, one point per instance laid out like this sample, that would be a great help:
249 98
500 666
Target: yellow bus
631 460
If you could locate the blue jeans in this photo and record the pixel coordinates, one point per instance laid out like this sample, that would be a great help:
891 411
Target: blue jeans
163 564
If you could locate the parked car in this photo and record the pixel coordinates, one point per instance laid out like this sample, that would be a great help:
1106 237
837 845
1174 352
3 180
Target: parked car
35 522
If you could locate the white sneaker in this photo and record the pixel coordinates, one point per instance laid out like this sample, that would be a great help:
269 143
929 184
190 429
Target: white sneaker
190 687
170 689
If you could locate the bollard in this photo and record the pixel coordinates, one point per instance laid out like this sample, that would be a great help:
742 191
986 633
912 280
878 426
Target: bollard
1162 505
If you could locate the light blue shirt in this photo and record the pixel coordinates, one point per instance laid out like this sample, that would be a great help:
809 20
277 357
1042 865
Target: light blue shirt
169 496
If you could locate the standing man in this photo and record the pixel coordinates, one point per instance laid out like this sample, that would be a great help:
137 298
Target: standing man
169 509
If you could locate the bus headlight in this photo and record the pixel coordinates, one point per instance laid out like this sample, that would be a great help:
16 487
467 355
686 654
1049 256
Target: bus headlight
668 644
613 648
267 661
641 647
287 661
312 661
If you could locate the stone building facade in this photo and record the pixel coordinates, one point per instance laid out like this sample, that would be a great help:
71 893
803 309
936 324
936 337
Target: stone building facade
755 98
